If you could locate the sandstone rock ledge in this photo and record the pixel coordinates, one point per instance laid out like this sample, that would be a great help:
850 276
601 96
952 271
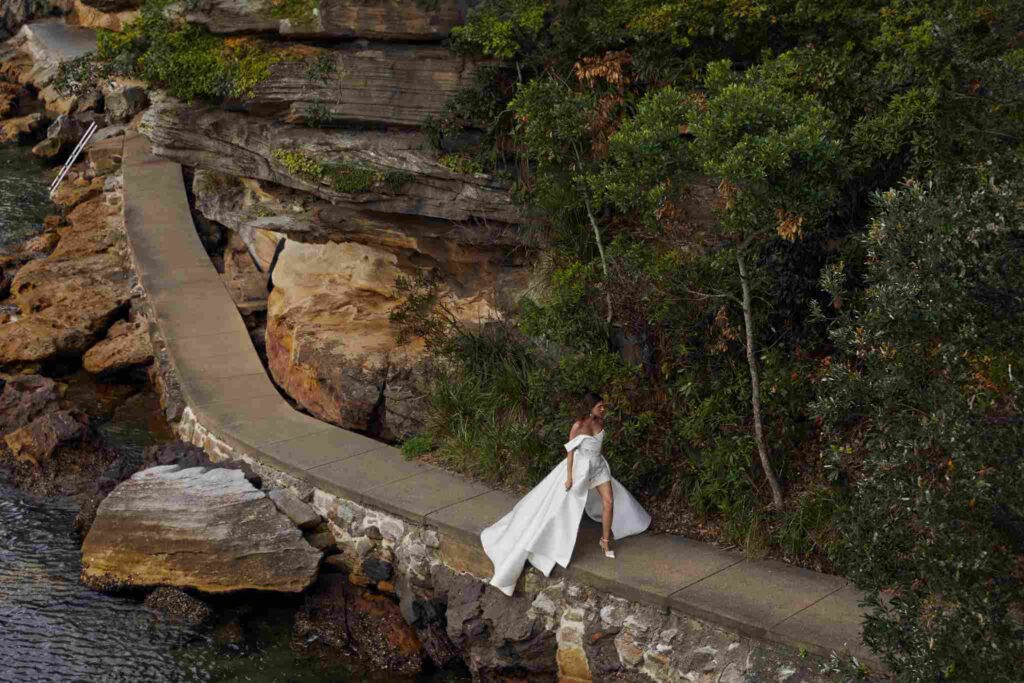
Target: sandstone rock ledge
206 529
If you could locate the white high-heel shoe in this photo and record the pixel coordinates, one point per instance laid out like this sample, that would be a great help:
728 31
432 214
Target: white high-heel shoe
610 554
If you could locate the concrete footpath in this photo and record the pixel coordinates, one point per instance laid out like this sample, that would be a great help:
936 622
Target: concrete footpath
225 385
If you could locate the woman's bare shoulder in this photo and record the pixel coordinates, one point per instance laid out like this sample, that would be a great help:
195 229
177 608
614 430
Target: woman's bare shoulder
579 428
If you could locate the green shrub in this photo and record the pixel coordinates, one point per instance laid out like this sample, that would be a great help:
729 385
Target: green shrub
417 446
76 77
926 398
300 13
186 60
340 176
460 163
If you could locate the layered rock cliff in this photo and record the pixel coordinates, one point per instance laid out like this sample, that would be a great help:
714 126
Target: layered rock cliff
324 171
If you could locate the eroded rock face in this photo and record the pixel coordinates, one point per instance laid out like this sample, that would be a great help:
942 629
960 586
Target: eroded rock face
250 207
206 529
68 299
244 146
378 83
331 345
126 344
329 342
501 636
373 19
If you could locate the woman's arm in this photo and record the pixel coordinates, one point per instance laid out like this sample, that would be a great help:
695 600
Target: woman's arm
568 465
573 433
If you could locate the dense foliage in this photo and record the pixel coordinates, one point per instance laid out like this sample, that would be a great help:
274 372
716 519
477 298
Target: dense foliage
184 59
678 155
922 408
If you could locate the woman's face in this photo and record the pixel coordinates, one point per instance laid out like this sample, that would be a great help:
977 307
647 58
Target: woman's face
598 410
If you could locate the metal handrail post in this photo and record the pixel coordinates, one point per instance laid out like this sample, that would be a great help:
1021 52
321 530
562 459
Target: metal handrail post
73 157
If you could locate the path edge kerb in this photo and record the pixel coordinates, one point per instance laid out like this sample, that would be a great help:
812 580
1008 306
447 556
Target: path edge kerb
246 412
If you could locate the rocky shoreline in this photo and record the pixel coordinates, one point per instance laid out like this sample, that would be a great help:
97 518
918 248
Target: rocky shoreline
72 301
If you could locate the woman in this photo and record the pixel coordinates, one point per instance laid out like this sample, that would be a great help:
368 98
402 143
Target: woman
542 526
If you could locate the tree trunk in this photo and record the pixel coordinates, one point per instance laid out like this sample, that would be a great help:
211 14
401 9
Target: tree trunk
755 386
600 251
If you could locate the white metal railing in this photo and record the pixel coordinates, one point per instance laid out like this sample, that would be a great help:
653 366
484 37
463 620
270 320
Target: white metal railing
73 157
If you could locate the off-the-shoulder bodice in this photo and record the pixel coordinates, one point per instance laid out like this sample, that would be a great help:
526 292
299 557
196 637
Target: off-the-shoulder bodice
586 444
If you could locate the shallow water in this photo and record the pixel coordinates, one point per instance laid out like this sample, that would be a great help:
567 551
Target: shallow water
52 628
24 200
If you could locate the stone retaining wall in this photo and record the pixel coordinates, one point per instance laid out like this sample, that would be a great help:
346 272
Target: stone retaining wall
553 628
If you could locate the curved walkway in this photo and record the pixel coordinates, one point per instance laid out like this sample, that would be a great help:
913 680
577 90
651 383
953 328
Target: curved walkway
225 385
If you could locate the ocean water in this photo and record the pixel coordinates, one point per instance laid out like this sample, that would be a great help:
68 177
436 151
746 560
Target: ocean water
24 200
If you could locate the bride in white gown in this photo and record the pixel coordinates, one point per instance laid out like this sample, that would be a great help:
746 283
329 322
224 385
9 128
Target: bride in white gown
542 526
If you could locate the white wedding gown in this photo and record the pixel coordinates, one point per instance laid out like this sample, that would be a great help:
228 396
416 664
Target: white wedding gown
542 526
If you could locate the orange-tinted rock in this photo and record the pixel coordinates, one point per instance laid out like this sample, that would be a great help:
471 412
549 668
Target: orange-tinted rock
24 129
331 344
127 344
73 192
68 299
42 244
381 635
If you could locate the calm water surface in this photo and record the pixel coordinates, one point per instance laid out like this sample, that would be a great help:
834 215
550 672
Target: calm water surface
23 194
54 629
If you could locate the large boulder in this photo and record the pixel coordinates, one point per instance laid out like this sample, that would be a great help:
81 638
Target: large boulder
402 85
179 453
205 529
372 19
125 102
372 170
126 345
61 137
331 344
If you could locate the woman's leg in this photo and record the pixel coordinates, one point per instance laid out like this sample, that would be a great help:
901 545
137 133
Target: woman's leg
608 509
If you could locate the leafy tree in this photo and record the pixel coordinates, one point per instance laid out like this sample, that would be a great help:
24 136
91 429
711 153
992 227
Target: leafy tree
922 405
778 159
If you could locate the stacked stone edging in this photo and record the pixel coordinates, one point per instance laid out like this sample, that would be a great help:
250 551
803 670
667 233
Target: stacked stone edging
233 410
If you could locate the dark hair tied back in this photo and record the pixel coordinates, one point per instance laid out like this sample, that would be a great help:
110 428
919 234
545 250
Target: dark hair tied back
586 404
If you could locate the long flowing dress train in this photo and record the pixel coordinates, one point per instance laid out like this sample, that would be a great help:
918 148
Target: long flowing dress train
542 527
